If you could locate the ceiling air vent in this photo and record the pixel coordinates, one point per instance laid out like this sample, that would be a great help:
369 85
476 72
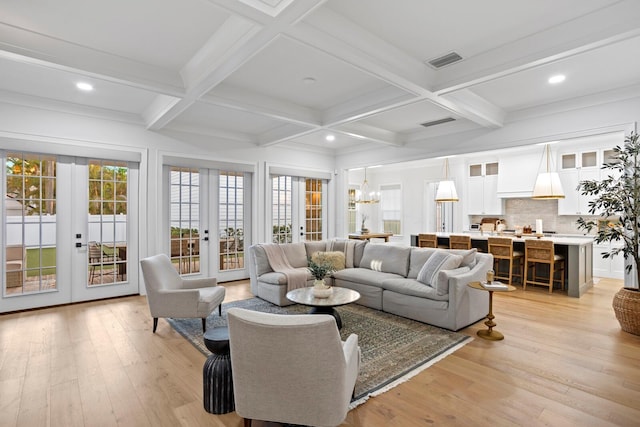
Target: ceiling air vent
444 60
437 122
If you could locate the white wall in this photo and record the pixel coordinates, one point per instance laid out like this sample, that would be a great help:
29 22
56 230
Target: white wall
31 129
36 127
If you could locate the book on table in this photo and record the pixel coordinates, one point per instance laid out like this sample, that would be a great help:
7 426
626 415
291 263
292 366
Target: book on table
494 285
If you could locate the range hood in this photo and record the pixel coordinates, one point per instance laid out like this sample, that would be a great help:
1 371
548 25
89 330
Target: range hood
516 177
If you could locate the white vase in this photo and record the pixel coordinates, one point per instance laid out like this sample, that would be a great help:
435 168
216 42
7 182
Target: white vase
320 289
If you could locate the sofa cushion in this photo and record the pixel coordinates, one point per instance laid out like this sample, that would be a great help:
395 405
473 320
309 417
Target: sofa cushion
363 276
440 260
296 254
261 260
275 278
468 256
315 246
417 259
346 246
335 259
386 258
358 252
442 282
414 288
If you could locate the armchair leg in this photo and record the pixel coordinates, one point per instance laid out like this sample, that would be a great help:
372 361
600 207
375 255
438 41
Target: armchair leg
155 324
204 325
247 422
220 310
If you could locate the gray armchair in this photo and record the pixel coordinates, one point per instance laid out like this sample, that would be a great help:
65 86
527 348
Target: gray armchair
291 368
169 295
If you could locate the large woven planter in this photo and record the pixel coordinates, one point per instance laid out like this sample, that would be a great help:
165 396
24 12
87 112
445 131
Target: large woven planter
626 305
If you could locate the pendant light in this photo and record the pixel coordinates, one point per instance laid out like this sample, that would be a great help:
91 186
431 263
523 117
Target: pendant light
446 188
365 195
548 184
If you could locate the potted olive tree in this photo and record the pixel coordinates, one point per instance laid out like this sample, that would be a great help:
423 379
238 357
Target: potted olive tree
616 199
319 271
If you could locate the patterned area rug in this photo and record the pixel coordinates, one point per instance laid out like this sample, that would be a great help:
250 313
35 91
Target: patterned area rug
393 348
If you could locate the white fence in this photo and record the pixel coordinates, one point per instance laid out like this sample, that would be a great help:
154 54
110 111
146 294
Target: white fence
41 231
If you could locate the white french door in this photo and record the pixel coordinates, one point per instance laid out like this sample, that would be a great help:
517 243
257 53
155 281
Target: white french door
208 221
53 206
299 210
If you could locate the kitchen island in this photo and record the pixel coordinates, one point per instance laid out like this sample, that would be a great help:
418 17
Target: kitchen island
577 250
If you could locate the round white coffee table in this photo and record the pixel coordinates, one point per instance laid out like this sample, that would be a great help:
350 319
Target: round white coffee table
339 296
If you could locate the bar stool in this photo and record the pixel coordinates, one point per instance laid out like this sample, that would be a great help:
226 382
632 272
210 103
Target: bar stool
427 241
459 242
502 250
538 252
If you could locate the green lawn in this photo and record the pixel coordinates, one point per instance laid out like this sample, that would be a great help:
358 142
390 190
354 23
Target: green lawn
34 261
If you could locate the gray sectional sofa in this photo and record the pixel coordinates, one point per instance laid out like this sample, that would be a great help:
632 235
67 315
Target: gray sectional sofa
424 284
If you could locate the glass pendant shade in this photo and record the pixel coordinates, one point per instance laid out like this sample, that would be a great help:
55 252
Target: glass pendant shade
367 196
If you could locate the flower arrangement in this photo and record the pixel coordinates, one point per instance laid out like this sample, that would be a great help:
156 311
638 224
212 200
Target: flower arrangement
320 270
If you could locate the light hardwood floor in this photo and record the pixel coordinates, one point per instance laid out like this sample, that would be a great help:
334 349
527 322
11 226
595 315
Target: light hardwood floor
564 362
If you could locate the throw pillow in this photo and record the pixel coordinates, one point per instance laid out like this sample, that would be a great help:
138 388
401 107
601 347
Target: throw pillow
468 256
335 258
442 283
440 260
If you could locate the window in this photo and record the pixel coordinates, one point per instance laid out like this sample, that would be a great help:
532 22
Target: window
391 206
185 220
30 223
231 207
282 212
313 208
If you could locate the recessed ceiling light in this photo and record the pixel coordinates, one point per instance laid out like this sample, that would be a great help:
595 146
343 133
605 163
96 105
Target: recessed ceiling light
309 80
558 78
87 87
330 137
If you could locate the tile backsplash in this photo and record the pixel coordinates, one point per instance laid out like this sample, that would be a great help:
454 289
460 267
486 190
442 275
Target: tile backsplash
525 212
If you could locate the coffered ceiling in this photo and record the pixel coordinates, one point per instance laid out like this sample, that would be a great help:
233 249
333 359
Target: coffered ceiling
266 73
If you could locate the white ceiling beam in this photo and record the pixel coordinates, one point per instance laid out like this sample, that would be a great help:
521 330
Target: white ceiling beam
230 37
225 95
370 133
283 133
214 133
597 29
366 105
240 46
159 107
25 46
488 114
341 38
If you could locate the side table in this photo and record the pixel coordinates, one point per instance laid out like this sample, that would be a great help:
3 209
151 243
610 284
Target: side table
490 334
216 373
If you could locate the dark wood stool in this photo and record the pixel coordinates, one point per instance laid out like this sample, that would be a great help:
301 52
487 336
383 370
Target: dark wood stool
216 373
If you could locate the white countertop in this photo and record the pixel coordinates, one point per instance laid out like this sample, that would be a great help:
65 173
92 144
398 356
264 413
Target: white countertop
562 239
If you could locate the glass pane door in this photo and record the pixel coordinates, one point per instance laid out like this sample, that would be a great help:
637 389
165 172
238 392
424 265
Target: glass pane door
107 219
298 209
30 224
71 245
231 219
185 219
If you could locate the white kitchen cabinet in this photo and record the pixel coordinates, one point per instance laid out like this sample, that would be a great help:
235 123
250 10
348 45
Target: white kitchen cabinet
573 168
482 190
607 267
575 203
